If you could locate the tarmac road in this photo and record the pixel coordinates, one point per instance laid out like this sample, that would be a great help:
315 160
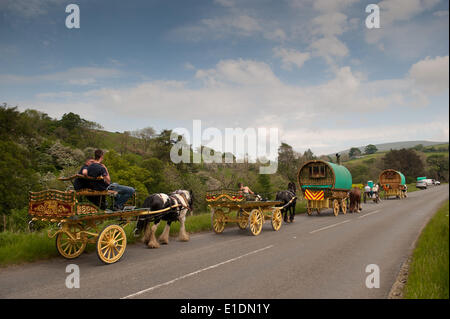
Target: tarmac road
318 256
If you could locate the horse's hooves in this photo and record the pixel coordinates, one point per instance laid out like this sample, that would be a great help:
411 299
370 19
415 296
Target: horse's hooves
153 245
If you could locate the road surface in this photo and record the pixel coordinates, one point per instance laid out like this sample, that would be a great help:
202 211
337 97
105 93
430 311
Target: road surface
318 256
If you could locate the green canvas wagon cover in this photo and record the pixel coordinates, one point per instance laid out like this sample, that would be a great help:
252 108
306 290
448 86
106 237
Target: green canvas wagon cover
318 174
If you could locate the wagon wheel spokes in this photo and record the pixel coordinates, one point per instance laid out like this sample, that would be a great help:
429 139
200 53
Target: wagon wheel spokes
344 206
243 220
218 221
255 221
111 244
277 219
335 207
67 246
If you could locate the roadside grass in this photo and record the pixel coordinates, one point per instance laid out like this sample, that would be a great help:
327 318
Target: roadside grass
429 270
25 247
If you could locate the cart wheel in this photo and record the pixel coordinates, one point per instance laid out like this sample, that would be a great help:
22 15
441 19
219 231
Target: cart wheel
344 206
318 211
218 221
111 244
309 211
68 247
277 219
335 207
255 221
243 220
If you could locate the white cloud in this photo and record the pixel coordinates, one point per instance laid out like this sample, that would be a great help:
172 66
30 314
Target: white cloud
431 75
402 10
290 57
247 93
329 48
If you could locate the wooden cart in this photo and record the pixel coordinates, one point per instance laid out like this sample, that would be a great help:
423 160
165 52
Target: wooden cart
78 222
393 183
324 185
228 206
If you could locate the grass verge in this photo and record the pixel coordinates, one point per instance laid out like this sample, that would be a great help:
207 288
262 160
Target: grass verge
429 270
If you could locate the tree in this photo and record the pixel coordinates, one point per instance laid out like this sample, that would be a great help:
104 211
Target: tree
370 149
287 162
438 167
264 185
354 151
406 161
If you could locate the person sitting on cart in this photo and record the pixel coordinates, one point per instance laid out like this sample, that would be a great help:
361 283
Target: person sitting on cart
247 192
81 183
245 189
97 169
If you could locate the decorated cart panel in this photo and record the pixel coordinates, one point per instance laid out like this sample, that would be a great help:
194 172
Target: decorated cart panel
230 206
324 185
393 183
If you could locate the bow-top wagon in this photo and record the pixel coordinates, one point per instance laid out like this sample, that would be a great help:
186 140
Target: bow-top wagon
229 206
324 185
393 183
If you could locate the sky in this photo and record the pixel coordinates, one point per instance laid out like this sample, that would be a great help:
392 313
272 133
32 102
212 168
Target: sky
310 68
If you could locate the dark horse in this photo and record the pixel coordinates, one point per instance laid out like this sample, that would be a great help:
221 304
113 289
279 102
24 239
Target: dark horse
355 200
289 199
159 201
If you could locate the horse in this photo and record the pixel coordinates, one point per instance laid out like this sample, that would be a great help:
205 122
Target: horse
289 200
355 200
159 201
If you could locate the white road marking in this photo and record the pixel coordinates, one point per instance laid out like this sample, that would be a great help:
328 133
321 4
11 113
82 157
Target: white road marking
196 272
374 212
330 226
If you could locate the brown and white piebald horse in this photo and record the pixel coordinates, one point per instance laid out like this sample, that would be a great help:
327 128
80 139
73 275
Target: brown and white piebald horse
159 201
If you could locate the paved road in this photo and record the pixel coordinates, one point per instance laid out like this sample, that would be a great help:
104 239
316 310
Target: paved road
318 256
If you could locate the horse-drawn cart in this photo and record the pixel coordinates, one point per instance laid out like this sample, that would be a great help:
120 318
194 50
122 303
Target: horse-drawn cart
324 185
249 213
79 220
393 183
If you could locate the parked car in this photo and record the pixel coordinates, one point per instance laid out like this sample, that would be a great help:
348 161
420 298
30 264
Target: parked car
422 184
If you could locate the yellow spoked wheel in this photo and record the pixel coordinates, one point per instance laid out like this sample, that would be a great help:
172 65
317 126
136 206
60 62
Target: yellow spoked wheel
111 244
344 206
309 211
255 220
336 207
68 247
277 219
218 221
243 220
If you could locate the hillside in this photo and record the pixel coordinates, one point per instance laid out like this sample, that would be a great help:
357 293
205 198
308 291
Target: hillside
395 146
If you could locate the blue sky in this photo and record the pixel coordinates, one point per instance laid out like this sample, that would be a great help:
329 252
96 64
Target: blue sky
310 68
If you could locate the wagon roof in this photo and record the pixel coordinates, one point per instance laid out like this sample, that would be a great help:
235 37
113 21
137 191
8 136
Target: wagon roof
403 179
342 176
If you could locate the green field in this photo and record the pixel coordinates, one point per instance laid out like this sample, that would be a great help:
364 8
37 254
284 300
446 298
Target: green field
429 269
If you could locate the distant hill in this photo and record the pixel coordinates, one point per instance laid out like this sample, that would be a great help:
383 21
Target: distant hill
395 146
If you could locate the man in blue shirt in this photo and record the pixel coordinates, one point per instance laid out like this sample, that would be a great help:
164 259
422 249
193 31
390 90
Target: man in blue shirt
97 169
